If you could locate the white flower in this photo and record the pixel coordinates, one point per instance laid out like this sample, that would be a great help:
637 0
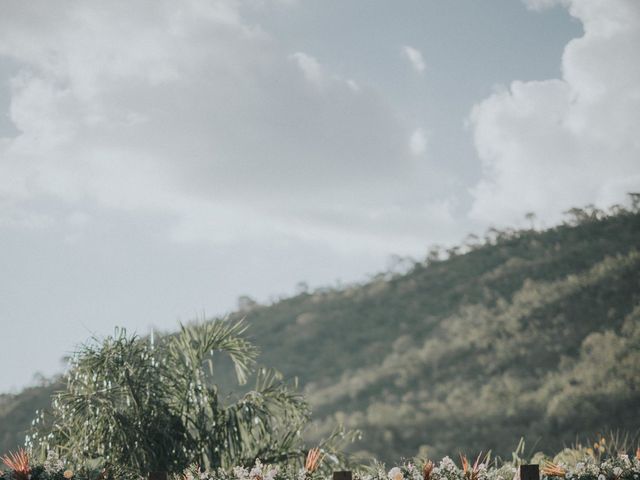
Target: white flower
602 477
482 471
53 463
240 473
395 474
593 469
271 474
256 471
447 464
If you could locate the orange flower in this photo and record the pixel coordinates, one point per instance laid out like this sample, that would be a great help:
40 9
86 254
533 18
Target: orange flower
19 463
314 457
552 470
470 472
465 464
68 474
427 468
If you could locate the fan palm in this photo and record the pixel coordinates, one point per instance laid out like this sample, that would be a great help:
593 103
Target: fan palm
154 407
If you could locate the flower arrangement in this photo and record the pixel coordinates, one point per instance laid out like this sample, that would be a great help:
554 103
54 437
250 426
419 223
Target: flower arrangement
589 467
20 467
620 467
260 471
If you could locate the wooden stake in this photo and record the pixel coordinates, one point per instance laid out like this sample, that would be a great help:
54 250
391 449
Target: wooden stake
342 476
529 472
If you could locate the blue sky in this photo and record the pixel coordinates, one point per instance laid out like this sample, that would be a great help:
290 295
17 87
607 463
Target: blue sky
160 159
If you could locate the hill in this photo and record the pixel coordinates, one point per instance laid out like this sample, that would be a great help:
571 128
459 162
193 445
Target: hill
17 411
523 333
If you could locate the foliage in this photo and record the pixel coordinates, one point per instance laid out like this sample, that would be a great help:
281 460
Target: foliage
154 407
529 333
17 412
18 462
620 467
581 466
55 468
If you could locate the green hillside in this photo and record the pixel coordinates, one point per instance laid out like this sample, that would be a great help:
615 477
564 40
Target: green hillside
527 333
17 412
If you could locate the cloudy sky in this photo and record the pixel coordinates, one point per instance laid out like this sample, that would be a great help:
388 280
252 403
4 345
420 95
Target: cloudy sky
160 158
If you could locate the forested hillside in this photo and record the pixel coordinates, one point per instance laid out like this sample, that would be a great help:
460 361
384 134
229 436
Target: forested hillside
17 412
521 333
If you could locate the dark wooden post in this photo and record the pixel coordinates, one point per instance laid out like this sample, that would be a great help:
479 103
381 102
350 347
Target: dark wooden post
529 472
158 476
342 476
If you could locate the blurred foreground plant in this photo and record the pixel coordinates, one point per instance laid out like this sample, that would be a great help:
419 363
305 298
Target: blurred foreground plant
19 463
153 408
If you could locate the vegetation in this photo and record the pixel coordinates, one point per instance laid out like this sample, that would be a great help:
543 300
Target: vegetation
527 333
149 407
17 412
521 333
599 463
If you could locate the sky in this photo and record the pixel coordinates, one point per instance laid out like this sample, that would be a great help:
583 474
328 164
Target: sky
159 159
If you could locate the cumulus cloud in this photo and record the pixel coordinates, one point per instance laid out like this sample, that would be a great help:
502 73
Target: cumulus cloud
546 146
414 56
187 110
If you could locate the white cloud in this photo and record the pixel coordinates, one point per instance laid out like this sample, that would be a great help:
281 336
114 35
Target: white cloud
310 67
549 145
186 110
414 56
418 142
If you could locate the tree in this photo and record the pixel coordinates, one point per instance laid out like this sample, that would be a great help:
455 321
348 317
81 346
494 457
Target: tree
531 218
154 407
434 254
246 303
302 288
